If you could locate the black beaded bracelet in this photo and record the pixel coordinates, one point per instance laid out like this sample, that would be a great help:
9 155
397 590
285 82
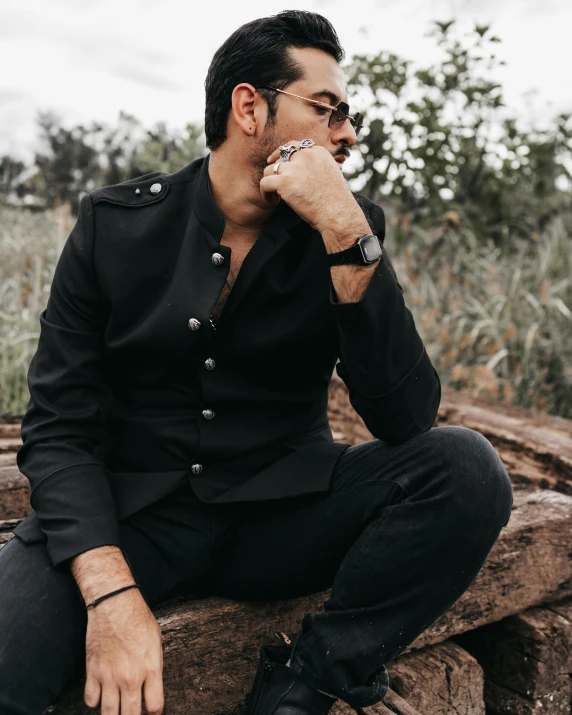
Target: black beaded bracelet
107 595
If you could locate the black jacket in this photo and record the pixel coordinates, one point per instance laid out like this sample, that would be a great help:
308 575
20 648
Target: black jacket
123 390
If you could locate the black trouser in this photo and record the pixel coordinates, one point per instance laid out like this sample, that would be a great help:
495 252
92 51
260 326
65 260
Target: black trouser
401 535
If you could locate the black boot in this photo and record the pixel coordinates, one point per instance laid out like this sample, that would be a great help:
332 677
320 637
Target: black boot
279 690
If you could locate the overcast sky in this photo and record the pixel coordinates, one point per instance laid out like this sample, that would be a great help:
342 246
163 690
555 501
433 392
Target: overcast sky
89 60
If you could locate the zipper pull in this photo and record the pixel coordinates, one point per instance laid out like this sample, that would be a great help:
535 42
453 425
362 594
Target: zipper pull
283 638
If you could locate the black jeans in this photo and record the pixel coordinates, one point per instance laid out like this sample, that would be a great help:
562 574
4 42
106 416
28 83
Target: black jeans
402 533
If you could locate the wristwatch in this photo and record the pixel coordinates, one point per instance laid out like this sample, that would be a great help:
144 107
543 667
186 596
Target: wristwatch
365 251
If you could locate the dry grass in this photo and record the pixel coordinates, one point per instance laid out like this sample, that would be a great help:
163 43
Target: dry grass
30 244
496 322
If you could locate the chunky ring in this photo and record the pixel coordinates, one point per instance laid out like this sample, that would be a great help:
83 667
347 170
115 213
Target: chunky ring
286 151
276 166
306 143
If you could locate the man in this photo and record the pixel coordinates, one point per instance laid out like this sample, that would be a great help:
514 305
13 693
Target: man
177 437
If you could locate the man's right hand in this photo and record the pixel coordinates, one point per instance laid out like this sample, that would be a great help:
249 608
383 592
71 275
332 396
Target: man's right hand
124 653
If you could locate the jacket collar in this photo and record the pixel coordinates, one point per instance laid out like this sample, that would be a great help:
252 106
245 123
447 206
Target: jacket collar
272 239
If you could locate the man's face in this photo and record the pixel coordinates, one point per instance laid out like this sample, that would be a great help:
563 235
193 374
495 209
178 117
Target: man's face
296 119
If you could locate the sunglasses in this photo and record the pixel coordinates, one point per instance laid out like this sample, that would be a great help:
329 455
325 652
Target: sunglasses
338 114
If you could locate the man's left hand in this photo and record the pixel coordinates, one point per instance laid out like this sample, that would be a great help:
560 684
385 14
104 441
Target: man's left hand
312 184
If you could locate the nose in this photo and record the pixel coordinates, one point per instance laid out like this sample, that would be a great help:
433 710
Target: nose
344 134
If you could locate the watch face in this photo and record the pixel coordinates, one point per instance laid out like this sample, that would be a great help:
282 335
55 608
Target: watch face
370 248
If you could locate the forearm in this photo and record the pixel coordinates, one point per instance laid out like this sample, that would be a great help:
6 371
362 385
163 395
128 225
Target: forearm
100 570
349 281
392 383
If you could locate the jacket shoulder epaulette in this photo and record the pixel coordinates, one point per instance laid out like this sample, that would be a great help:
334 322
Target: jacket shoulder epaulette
140 191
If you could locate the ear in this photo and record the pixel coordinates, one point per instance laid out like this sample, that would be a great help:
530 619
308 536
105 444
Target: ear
245 105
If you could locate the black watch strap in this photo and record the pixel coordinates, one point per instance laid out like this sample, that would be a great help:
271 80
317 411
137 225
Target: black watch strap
355 254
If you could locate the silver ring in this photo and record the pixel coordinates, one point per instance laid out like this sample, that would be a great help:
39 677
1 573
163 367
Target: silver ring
276 166
286 151
306 143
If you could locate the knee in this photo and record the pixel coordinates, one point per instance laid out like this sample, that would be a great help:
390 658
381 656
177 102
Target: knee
477 477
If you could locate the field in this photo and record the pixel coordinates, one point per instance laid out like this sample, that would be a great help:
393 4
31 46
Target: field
496 320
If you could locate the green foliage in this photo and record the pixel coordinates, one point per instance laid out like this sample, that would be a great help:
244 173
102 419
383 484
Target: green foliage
439 139
85 157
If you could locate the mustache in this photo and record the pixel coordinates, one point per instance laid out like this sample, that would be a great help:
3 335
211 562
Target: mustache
343 151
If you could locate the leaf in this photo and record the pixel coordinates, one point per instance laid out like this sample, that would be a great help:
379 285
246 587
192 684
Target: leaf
444 26
562 307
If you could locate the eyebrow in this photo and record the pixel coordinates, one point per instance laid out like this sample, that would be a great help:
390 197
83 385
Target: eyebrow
331 96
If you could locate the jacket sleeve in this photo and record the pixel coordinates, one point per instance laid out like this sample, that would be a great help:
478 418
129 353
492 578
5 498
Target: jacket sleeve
63 424
392 383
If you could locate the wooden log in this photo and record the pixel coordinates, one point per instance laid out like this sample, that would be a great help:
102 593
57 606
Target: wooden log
6 527
211 645
9 444
440 679
527 660
536 448
505 701
10 429
14 493
392 704
8 459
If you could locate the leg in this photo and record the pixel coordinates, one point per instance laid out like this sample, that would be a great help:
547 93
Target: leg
401 535
42 612
42 628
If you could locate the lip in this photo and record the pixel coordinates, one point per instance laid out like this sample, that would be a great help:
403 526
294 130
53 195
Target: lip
340 158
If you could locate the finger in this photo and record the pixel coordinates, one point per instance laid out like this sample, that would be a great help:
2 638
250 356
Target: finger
91 691
269 170
131 701
153 693
276 153
110 699
274 156
270 184
268 189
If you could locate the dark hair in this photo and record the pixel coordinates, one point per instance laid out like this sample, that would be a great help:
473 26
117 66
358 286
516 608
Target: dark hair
257 53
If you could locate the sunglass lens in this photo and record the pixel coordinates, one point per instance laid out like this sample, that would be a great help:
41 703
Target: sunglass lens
340 114
337 117
357 122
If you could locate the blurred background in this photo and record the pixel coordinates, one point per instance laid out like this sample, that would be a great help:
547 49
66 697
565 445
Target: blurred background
467 147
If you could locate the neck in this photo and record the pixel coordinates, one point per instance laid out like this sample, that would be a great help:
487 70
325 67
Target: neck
234 189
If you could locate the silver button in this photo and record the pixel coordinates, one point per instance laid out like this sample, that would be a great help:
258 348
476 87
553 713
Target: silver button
194 324
217 259
209 364
196 468
137 191
155 188
208 414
